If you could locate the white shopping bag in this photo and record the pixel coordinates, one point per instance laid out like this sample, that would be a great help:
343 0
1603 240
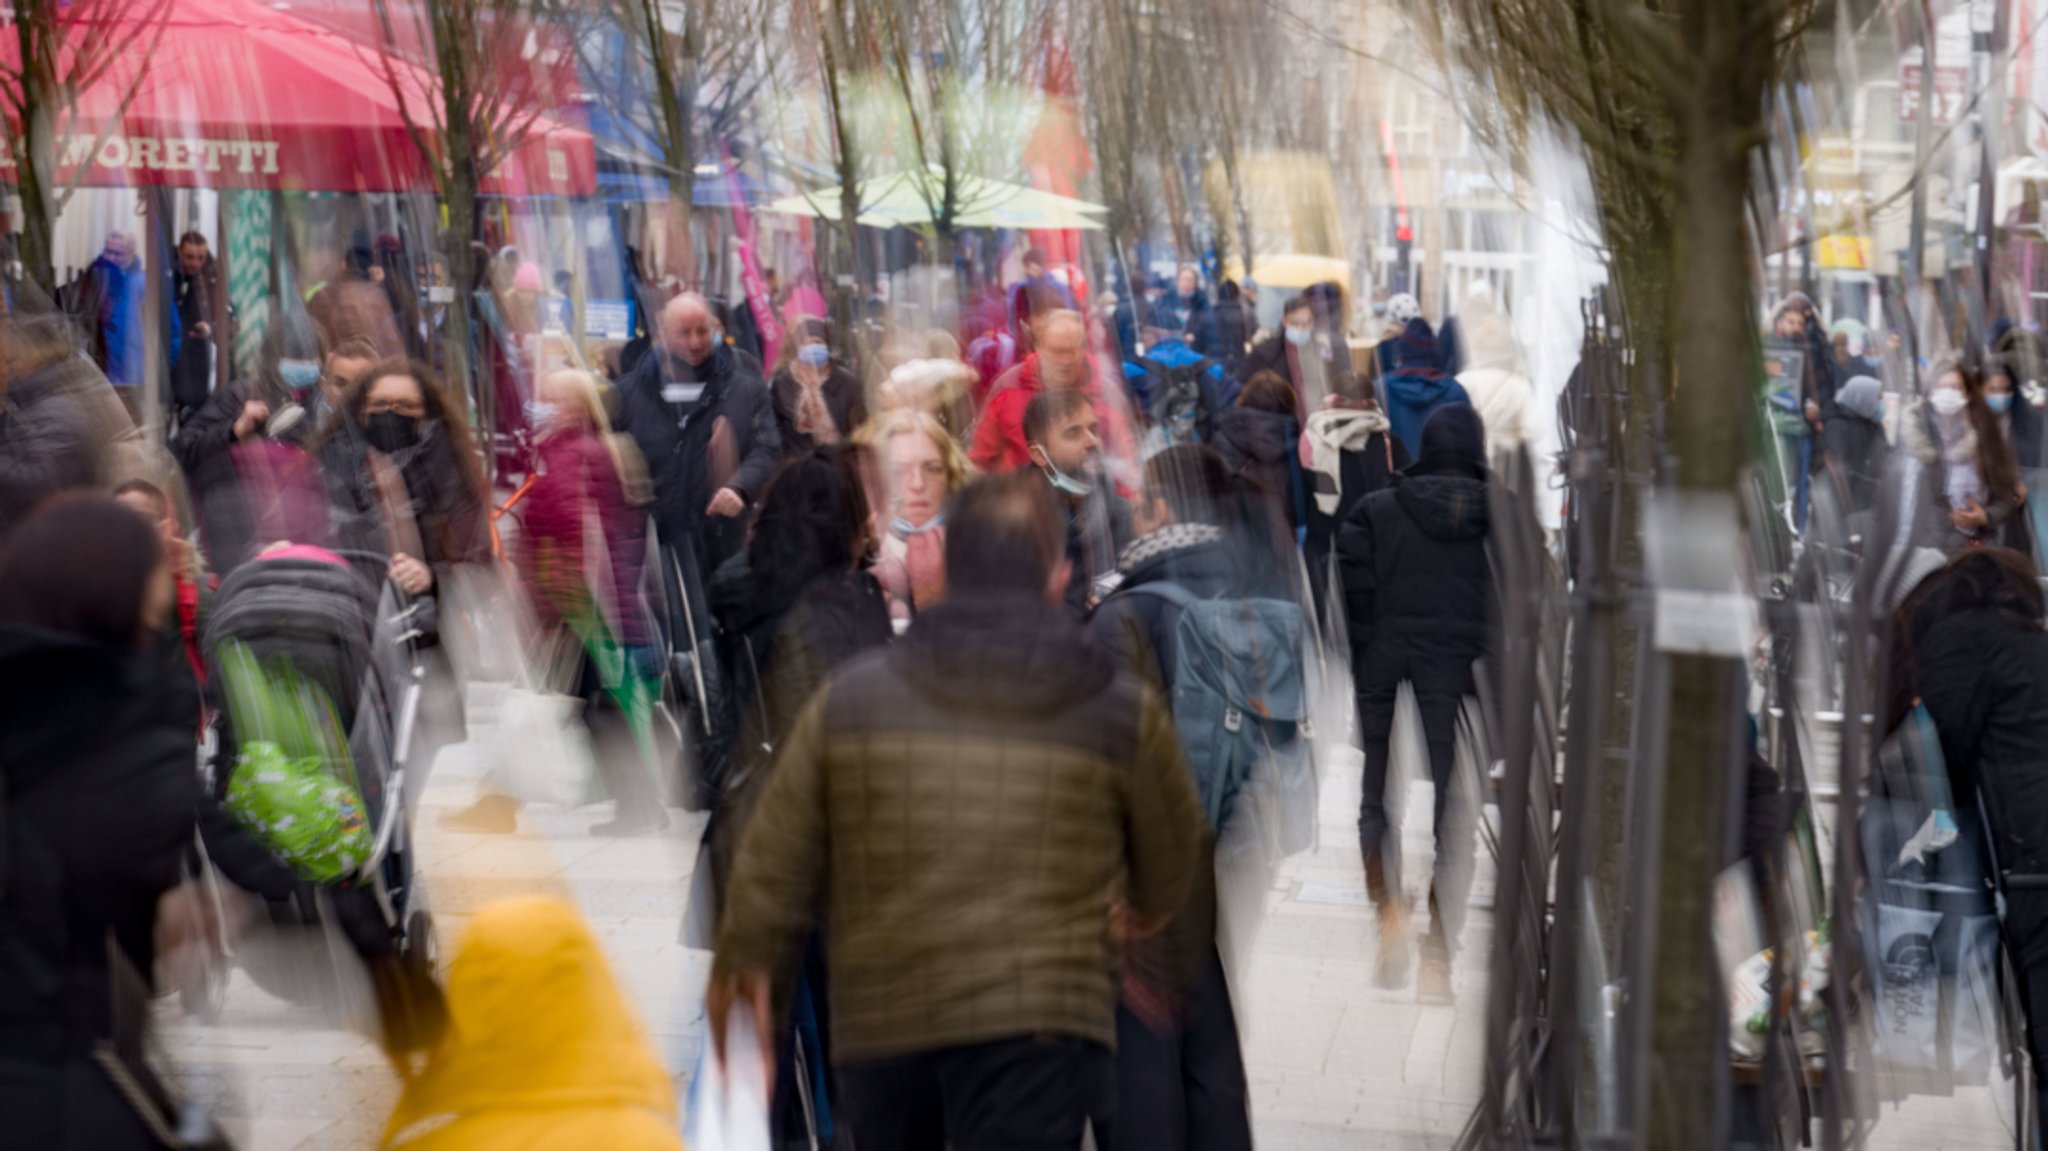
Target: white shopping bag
538 749
728 1105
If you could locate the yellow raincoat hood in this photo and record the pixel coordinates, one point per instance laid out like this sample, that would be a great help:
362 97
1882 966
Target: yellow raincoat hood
542 1051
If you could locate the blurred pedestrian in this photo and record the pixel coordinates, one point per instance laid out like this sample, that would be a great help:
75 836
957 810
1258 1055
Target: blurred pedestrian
1180 1072
706 427
192 584
218 444
1186 310
1968 475
939 388
1415 388
108 301
1795 325
1304 356
1178 391
1856 442
101 803
1061 362
791 609
963 808
1037 293
1968 645
1495 376
1260 439
402 477
200 297
582 551
49 436
354 306
1349 451
1235 324
1066 449
1399 310
818 401
922 467
1419 601
542 1051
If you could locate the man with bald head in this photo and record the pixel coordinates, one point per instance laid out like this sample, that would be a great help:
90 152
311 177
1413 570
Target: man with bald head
705 423
1060 361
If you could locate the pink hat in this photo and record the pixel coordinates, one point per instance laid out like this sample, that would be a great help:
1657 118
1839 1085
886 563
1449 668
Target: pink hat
526 279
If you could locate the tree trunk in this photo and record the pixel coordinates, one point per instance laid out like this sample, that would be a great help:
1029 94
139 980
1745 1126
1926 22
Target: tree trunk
1718 121
34 167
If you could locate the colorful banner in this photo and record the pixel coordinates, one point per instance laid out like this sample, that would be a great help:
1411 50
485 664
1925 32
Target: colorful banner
756 285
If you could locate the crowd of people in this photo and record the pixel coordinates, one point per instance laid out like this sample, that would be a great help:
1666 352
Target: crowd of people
999 645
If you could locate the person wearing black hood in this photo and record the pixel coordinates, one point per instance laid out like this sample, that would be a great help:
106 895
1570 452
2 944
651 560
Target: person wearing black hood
1259 439
1419 596
97 812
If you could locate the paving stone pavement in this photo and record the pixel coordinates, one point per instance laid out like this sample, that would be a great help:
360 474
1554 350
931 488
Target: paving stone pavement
1334 1062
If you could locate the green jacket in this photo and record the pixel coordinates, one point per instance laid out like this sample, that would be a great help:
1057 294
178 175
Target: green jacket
963 810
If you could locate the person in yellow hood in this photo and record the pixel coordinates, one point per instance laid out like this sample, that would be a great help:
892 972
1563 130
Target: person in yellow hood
541 1053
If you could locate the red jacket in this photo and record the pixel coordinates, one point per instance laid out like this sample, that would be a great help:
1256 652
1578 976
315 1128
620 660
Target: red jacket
999 444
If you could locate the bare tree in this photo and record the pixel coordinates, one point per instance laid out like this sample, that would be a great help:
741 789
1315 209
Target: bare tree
953 64
465 123
63 50
699 56
1669 100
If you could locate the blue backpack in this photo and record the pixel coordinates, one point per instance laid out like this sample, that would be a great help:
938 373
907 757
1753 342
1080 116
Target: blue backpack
1240 702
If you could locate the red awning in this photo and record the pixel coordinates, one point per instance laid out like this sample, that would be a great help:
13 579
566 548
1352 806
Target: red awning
237 94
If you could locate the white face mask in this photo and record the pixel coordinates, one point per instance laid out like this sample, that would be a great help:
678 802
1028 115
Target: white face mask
1947 402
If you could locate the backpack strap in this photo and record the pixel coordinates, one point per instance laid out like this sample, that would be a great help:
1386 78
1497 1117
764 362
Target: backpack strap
1167 590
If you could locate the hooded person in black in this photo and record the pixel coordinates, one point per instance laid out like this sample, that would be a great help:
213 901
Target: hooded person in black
98 805
1419 599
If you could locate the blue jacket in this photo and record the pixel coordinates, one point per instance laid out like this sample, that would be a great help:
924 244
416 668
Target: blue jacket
1219 390
1412 396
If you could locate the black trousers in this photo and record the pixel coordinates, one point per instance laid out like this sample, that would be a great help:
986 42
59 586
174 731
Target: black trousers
1440 693
1184 1089
1030 1093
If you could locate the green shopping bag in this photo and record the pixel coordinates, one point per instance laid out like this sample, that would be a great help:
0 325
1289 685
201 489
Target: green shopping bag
293 782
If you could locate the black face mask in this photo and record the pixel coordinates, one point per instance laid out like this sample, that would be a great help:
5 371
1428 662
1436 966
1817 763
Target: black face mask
391 432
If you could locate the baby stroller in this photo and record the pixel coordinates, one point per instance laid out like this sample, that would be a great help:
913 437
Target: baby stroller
318 615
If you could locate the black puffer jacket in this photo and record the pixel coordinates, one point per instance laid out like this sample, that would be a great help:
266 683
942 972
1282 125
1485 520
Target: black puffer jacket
1418 591
1262 446
677 447
101 803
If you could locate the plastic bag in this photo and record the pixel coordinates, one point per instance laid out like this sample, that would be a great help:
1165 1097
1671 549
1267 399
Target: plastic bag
538 750
293 784
728 1105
